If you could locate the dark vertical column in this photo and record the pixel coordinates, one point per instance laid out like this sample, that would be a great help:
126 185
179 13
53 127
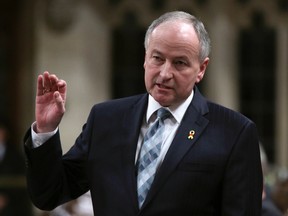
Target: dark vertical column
257 78
16 53
128 58
9 53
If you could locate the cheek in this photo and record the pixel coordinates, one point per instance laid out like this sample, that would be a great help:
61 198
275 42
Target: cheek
185 84
150 72
185 79
148 78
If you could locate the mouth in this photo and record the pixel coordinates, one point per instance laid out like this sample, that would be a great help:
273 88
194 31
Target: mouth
160 86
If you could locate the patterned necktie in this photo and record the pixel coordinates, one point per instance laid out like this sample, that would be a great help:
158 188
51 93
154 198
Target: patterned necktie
150 151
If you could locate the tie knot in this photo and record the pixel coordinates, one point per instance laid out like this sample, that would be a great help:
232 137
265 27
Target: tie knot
163 113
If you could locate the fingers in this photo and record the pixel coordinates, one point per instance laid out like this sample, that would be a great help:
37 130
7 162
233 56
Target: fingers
49 83
40 87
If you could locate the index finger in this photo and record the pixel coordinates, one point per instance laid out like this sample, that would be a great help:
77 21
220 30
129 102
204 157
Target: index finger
40 87
53 82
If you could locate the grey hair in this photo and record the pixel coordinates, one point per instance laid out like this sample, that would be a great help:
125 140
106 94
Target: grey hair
198 26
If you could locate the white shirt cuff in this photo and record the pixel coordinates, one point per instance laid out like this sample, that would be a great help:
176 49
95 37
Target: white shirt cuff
39 138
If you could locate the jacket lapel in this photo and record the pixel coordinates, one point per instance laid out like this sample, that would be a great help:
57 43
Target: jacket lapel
133 119
192 120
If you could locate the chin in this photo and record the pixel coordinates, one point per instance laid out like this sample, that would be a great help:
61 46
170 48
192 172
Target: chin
163 99
163 102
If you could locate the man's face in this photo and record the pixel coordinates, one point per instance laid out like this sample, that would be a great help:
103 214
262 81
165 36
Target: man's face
172 65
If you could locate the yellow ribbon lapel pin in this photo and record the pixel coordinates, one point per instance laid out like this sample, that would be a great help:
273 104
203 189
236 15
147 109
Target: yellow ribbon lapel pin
191 134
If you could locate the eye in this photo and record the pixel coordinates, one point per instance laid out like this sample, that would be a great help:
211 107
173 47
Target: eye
180 63
157 58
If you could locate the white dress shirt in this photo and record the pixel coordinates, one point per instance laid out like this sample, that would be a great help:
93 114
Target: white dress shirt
40 138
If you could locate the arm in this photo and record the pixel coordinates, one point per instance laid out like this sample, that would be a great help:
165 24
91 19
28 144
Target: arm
242 185
44 166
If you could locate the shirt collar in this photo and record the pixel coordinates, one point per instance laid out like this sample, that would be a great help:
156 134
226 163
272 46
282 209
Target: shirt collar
177 111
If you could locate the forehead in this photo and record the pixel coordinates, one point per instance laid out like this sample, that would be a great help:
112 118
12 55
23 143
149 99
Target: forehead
174 35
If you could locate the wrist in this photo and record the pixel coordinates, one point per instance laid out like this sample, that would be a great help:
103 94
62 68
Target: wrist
35 129
38 129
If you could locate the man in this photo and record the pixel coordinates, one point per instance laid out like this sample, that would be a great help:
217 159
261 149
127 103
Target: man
209 161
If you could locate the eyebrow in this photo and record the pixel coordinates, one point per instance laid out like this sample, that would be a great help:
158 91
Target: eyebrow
156 51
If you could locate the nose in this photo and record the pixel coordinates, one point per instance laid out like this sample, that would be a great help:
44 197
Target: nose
166 71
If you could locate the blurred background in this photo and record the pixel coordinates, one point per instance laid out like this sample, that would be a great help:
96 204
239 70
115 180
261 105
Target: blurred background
97 47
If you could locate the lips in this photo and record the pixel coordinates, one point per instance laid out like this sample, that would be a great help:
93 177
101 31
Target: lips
161 86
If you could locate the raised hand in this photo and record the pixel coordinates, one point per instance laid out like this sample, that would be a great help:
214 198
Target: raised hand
50 102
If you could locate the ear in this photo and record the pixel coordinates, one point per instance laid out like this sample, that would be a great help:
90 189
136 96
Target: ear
202 70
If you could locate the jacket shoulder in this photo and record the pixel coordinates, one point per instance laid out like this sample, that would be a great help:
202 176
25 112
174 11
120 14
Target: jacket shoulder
225 114
115 108
120 103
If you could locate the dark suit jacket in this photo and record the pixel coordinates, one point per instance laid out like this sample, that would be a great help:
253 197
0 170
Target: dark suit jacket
218 172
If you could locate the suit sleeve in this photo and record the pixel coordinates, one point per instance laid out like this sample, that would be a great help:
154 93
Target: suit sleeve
242 185
53 178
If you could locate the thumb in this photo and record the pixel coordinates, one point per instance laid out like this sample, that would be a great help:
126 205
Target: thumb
59 101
